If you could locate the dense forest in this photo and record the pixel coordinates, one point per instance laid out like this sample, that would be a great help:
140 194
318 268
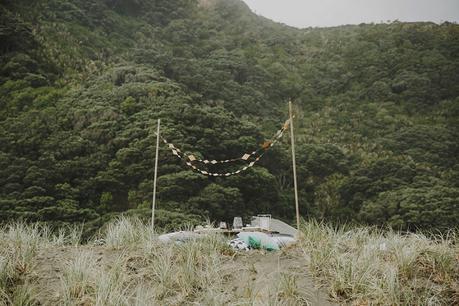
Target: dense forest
82 83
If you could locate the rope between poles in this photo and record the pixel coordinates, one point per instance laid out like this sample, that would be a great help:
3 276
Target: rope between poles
253 157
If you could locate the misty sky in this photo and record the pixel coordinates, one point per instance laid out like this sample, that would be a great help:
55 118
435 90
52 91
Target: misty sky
320 13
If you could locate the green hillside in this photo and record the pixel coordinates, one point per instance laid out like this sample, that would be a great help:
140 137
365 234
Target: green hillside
83 82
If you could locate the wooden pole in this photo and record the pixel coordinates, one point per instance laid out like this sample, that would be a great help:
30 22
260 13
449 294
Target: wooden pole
295 185
154 179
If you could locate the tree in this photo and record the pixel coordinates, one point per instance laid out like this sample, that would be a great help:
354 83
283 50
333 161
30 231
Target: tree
217 202
413 208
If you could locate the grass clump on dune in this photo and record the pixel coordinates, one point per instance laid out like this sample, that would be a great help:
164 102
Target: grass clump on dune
19 243
138 269
366 265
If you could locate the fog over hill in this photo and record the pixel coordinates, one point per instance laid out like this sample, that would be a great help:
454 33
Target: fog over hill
327 13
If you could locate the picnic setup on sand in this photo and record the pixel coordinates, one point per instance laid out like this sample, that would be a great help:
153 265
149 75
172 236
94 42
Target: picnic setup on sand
263 232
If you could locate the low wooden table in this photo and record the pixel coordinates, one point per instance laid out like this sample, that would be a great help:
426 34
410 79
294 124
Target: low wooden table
231 232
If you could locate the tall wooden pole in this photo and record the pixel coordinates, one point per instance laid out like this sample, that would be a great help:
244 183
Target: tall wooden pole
154 179
295 185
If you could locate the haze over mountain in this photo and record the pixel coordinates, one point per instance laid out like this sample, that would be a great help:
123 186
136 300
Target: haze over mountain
326 13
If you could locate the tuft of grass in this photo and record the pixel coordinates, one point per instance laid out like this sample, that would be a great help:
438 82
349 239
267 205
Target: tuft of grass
68 235
125 231
366 265
78 280
289 292
113 285
19 244
24 295
195 273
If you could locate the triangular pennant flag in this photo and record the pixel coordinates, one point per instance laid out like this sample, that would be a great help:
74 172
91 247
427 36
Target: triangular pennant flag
266 144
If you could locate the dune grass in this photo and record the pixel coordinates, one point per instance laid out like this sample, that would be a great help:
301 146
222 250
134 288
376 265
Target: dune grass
126 265
369 266
18 245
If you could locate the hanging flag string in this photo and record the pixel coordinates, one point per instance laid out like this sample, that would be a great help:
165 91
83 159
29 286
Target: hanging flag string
253 157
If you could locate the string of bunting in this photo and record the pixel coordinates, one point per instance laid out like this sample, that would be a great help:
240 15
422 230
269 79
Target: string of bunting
253 157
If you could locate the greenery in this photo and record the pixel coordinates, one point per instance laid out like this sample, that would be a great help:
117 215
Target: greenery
83 82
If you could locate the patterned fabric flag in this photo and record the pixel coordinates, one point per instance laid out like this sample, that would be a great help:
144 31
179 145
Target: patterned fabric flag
266 144
192 159
245 156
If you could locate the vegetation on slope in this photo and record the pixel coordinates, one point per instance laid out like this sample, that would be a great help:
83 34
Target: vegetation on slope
82 82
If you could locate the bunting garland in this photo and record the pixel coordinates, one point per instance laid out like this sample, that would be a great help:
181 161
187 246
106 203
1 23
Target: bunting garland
191 160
